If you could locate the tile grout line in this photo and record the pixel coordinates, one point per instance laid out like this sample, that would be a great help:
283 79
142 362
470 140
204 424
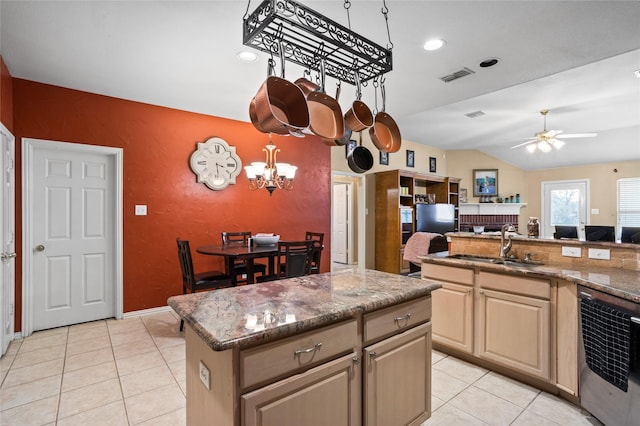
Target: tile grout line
64 363
124 403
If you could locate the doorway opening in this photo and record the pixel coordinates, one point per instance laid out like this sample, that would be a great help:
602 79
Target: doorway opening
347 221
566 203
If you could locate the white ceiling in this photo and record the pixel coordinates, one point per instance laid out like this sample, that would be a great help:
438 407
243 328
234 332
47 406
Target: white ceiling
575 58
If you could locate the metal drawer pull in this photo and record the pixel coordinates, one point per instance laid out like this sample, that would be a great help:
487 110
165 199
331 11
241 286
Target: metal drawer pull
308 350
372 355
355 360
404 318
587 295
635 319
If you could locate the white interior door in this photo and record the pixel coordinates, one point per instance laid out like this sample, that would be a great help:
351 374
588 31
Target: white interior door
74 238
7 237
340 234
564 203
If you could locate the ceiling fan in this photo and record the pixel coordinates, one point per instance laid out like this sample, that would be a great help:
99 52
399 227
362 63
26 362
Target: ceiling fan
548 139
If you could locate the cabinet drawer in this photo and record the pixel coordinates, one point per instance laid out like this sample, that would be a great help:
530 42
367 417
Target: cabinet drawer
516 284
289 355
398 318
447 273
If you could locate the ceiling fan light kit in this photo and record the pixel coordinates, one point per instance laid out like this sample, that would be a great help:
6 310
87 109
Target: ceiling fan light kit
548 139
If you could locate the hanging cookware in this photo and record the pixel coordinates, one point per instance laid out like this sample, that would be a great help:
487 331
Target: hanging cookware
360 158
385 133
325 114
346 136
359 116
280 106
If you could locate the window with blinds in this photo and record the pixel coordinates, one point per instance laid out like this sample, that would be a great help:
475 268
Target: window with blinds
629 202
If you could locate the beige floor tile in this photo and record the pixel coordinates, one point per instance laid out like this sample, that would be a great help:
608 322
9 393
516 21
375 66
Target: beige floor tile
89 375
436 403
174 418
461 370
143 345
39 355
174 353
559 410
506 388
38 412
74 348
30 392
14 346
140 362
112 414
89 325
80 334
18 376
129 337
437 356
528 418
47 333
448 415
6 361
178 369
125 325
183 386
32 343
146 380
445 386
165 341
155 403
89 397
87 359
485 406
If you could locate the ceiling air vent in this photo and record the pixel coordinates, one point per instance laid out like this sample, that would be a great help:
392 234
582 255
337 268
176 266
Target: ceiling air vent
456 75
475 114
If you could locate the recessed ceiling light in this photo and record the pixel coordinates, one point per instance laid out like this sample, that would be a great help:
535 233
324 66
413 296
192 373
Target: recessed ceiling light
247 56
489 62
434 44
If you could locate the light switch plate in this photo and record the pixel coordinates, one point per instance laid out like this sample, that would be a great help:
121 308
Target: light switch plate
205 378
572 251
602 254
141 210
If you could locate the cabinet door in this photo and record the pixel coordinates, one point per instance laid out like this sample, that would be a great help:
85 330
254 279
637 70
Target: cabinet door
452 318
514 331
398 379
326 395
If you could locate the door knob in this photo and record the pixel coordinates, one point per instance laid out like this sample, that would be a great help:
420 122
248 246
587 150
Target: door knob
39 247
5 256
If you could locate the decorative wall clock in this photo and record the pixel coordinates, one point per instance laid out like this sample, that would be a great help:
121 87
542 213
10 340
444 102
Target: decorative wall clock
216 163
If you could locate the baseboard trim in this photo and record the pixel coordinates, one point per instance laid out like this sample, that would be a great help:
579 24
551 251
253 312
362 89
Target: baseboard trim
149 311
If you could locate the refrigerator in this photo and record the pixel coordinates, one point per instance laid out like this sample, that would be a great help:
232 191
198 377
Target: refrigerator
437 218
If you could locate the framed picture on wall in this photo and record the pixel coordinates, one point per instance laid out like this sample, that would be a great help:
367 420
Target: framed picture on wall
410 158
384 158
432 164
485 182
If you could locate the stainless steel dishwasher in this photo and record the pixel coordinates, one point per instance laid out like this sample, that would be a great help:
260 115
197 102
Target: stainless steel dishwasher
609 357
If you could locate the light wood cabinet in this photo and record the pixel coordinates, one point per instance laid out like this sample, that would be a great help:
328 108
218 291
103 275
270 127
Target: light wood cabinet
395 190
316 378
398 379
505 319
325 395
567 337
452 306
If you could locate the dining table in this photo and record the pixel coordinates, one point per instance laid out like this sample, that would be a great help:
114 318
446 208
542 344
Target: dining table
247 253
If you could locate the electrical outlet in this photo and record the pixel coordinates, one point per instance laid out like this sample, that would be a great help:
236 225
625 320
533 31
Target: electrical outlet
572 251
205 378
602 254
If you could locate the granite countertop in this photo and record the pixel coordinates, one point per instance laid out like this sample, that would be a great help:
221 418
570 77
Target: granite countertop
618 282
248 315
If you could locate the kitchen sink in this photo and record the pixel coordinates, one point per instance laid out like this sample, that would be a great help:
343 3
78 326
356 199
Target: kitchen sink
494 260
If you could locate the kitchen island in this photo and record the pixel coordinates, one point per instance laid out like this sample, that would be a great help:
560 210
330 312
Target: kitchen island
349 347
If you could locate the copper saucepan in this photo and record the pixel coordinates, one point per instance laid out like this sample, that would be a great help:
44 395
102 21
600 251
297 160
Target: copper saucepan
280 106
385 133
359 116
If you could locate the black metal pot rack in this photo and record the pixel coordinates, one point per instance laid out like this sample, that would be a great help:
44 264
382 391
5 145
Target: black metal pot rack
307 38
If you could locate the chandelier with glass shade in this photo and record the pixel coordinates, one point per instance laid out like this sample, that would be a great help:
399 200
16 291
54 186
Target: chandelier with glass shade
270 175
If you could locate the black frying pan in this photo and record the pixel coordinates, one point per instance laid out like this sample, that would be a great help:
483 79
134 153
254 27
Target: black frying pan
360 159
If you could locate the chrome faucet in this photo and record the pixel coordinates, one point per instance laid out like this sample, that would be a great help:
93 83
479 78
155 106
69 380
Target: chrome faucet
505 248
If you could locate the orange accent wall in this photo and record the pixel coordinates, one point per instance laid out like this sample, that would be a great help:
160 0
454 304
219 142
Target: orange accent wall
157 144
6 97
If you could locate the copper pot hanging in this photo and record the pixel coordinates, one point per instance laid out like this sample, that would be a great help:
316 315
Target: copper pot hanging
385 133
359 116
280 106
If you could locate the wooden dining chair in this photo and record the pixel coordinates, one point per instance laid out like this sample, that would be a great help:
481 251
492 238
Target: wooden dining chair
192 282
294 258
316 250
240 266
